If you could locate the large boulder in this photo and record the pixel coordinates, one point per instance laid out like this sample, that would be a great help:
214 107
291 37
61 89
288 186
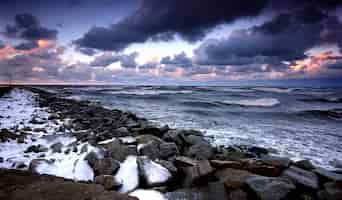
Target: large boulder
332 191
326 175
197 174
106 166
219 164
155 149
301 177
57 147
168 149
36 162
109 182
267 188
238 194
281 162
201 151
305 164
233 178
118 151
151 173
260 168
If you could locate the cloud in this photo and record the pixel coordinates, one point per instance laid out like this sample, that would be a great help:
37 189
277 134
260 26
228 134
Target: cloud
126 60
2 44
287 37
87 51
28 27
179 59
190 19
27 46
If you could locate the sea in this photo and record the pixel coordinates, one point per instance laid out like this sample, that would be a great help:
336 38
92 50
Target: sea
300 123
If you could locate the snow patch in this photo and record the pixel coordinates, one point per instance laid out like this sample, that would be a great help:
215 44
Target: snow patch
128 172
147 195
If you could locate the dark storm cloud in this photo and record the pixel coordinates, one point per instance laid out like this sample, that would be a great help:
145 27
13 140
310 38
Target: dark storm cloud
285 38
126 60
179 59
27 46
28 27
190 19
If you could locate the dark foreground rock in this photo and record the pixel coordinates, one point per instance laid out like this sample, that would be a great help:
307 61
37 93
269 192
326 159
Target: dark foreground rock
20 185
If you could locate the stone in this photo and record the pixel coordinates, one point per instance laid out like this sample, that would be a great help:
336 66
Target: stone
122 131
226 164
197 174
144 139
109 182
301 177
36 149
118 151
233 178
168 149
326 175
57 147
36 162
258 150
304 164
238 194
268 188
276 161
151 173
91 158
332 191
260 168
106 166
21 139
168 165
182 161
200 151
150 149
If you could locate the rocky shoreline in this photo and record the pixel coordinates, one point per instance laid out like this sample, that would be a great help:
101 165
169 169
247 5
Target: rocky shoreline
170 163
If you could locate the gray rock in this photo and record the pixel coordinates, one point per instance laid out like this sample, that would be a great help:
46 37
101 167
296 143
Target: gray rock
57 147
182 161
276 161
168 165
226 164
194 175
144 139
106 166
118 151
233 178
328 175
200 151
238 194
147 167
109 182
91 158
267 188
168 149
301 177
305 164
332 191
150 149
36 162
36 149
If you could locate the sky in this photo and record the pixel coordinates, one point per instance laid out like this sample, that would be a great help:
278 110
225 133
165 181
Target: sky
170 41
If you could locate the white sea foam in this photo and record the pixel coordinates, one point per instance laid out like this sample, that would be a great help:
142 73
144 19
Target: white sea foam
263 102
273 89
149 92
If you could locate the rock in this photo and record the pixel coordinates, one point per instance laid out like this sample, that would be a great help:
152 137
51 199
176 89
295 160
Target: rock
36 149
200 151
177 137
183 161
152 130
152 174
185 194
168 165
144 139
168 149
304 164
195 139
1 159
109 182
36 162
235 155
301 177
84 148
237 194
332 191
21 185
326 175
258 150
267 188
226 164
197 175
21 139
6 135
150 149
20 165
39 130
233 178
260 168
91 158
120 132
276 161
118 151
57 147
106 166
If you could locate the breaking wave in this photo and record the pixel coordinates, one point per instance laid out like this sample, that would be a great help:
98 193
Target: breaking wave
263 102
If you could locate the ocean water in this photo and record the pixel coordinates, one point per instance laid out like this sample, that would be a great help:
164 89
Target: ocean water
301 123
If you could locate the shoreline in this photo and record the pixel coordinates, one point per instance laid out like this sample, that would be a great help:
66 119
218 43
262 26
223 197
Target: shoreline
184 161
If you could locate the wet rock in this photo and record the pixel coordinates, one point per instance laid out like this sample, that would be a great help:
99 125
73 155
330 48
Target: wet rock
258 150
238 194
182 161
20 165
144 139
36 162
226 164
260 168
267 188
118 151
106 166
39 130
109 182
36 120
6 135
233 178
1 159
176 137
326 175
21 139
200 151
150 149
91 158
301 177
168 149
198 174
84 148
120 132
332 191
304 164
57 147
152 174
276 161
36 149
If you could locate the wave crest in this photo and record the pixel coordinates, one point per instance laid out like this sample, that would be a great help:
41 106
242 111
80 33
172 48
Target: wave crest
263 102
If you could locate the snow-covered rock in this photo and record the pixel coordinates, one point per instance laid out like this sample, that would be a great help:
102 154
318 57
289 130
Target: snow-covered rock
148 195
153 174
128 172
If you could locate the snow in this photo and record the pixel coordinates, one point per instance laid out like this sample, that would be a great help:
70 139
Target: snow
155 173
147 195
107 141
129 174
